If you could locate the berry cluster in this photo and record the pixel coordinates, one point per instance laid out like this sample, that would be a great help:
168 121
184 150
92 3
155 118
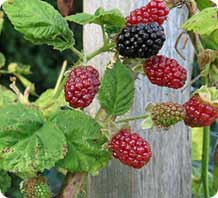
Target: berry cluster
155 11
130 148
163 71
200 113
167 114
82 86
141 41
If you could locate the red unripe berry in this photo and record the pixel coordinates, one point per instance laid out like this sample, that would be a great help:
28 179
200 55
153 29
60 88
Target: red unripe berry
154 11
82 86
165 72
199 113
130 148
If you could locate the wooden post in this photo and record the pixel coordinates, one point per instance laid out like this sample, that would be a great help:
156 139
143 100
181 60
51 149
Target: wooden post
168 175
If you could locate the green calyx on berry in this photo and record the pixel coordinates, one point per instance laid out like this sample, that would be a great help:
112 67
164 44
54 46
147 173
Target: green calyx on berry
36 187
208 95
166 114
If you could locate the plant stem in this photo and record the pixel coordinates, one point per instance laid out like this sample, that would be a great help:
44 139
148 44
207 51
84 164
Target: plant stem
132 118
104 34
60 77
205 161
77 52
104 48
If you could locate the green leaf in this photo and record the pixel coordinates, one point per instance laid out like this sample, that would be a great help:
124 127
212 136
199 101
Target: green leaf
197 139
210 41
204 4
2 60
6 96
203 23
28 144
85 142
101 17
5 181
48 104
40 23
116 93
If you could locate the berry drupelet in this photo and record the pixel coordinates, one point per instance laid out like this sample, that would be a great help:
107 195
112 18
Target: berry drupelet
82 86
141 41
130 148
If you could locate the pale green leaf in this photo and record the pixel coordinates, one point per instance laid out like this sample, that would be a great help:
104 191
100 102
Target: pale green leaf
5 181
116 93
28 144
101 17
85 142
40 23
204 23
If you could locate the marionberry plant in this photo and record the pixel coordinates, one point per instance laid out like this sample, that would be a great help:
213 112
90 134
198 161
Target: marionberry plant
56 130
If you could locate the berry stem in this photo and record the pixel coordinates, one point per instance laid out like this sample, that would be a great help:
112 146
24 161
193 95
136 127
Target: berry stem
104 34
60 77
205 161
106 47
77 52
132 118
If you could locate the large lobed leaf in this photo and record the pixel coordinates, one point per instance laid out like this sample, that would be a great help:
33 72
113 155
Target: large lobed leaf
28 144
101 17
40 23
85 142
116 93
204 23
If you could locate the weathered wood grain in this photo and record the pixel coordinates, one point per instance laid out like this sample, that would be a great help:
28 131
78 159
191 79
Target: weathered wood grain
168 175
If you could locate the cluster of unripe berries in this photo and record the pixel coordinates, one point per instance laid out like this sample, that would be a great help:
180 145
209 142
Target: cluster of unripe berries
143 37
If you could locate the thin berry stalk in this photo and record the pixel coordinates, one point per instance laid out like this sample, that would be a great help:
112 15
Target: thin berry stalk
60 77
132 118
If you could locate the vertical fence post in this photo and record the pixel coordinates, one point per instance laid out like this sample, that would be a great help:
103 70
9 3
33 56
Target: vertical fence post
168 175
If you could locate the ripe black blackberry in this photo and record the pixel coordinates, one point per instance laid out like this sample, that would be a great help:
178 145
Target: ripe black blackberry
141 41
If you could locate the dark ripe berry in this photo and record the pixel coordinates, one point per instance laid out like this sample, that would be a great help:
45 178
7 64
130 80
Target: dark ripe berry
130 148
82 86
167 114
199 113
165 72
154 11
141 41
